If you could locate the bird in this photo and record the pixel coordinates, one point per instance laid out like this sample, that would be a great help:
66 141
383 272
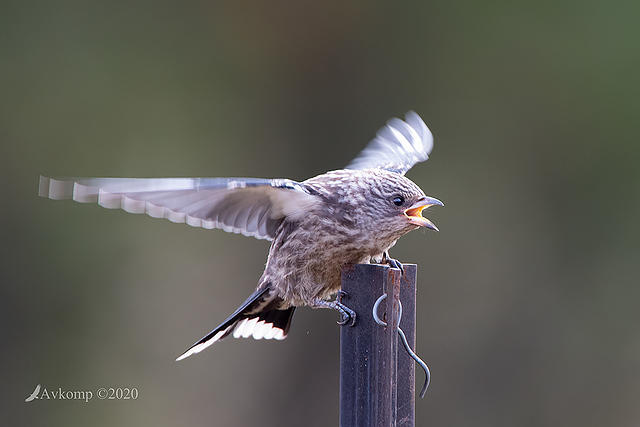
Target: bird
34 394
316 227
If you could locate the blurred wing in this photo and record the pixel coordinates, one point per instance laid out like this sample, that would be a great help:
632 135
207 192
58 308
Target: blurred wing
250 206
397 146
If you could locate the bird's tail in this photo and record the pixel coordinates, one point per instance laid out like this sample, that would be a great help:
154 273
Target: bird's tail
257 317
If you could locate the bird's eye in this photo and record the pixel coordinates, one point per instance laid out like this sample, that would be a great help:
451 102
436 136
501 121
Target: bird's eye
398 200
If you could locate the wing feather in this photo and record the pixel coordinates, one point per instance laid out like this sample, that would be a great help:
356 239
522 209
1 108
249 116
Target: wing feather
397 146
250 206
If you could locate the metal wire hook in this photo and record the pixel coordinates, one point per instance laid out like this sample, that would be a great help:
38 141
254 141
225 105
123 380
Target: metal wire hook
378 320
411 353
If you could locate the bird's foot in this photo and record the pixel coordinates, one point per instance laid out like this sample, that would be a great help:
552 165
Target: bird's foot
394 263
347 315
346 312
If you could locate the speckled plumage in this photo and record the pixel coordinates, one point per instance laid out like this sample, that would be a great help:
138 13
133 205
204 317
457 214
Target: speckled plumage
317 226
352 222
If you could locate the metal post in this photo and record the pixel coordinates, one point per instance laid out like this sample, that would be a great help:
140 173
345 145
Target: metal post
406 365
377 380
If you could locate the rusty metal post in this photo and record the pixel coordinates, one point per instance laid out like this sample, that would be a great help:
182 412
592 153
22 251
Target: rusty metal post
406 365
377 377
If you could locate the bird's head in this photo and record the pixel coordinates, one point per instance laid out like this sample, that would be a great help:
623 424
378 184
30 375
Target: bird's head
398 203
382 204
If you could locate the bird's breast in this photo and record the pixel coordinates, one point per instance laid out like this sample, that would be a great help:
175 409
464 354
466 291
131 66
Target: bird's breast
306 258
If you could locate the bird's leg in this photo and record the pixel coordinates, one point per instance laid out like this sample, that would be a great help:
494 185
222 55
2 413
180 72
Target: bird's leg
346 313
341 294
394 263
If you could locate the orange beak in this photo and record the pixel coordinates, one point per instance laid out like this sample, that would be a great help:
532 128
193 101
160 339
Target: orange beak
414 213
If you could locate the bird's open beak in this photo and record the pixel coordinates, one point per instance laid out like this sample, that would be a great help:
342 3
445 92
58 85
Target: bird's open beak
414 213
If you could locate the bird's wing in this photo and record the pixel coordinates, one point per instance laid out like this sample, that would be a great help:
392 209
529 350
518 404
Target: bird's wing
250 206
397 146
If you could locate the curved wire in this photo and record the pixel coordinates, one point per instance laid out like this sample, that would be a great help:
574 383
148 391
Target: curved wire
405 343
414 356
375 311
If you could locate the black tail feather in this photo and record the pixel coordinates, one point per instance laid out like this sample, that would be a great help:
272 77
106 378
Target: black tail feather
280 319
257 317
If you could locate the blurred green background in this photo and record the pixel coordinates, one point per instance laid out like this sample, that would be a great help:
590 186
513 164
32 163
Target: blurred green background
528 297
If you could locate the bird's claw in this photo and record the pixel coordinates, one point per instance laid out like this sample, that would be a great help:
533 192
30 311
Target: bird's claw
346 315
394 263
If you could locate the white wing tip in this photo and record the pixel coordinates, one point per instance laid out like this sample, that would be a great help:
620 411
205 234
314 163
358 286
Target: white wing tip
414 120
55 189
133 206
109 200
61 189
84 193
